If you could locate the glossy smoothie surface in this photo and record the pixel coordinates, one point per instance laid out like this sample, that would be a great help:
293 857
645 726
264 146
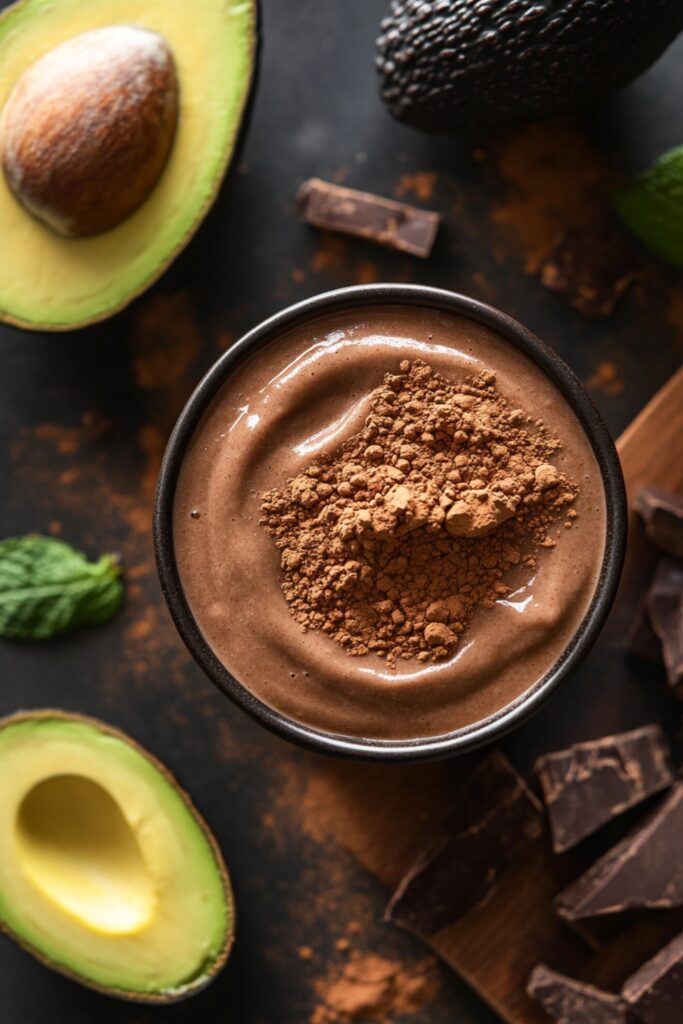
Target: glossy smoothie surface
306 392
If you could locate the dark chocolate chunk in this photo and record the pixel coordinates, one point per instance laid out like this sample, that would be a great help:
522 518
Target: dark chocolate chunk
496 815
644 870
568 1001
665 608
655 992
642 641
591 783
396 225
662 515
591 267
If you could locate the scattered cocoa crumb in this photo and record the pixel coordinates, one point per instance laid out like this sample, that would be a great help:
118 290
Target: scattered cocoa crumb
95 424
343 945
553 180
591 267
367 273
66 440
165 341
305 953
421 185
390 544
371 988
606 379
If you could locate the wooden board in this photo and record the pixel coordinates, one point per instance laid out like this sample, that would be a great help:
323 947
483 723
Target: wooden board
383 814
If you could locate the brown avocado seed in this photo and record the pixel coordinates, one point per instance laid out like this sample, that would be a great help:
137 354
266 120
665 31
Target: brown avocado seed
88 128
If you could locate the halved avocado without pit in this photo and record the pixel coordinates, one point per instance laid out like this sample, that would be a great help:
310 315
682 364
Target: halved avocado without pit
134 162
107 872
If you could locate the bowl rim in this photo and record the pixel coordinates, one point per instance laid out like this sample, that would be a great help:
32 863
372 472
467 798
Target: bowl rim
500 722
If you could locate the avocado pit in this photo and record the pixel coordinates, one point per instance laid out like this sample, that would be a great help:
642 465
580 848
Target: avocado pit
88 128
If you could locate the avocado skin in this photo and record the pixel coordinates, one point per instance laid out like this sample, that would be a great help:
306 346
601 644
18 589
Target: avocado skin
463 64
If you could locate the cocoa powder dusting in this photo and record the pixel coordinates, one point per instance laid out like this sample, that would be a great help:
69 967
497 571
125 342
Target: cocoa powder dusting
391 544
372 988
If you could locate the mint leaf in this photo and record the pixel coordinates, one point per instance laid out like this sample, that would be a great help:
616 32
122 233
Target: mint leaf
652 207
47 587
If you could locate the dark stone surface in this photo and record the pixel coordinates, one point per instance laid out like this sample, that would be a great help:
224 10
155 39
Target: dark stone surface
84 417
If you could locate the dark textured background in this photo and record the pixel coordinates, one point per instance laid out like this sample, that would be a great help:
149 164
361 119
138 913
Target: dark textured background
316 113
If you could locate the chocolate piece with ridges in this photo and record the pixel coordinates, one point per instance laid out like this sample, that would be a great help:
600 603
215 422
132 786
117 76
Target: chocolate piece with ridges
662 515
568 1001
655 991
644 870
642 640
590 267
591 783
396 225
665 608
497 815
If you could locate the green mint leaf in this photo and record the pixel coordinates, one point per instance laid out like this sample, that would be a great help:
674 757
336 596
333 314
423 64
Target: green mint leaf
47 587
652 207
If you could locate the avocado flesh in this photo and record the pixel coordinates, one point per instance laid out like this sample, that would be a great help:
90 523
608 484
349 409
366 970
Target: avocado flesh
56 283
461 65
106 871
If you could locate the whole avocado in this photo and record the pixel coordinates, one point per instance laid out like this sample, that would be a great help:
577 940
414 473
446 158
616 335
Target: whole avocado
463 64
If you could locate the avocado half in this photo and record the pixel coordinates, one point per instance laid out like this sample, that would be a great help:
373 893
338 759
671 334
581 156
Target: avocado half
54 283
456 65
108 874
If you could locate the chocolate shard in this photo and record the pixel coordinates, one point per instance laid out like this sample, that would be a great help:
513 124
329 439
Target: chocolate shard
384 221
568 1001
662 515
642 641
644 870
591 267
590 783
655 991
665 608
497 815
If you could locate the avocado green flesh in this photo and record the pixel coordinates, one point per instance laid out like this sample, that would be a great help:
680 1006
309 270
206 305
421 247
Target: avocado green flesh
652 207
60 283
106 871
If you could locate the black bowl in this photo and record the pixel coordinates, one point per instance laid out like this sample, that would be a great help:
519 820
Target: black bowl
513 714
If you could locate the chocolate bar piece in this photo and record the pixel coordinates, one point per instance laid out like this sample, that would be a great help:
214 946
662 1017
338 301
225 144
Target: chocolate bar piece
665 608
662 515
591 268
644 870
396 225
655 992
642 640
591 783
497 815
568 1001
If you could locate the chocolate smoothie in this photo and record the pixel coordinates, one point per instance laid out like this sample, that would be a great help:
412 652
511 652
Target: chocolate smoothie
420 663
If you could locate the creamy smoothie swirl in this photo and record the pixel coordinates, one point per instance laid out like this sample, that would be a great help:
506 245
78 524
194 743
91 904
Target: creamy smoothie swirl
305 393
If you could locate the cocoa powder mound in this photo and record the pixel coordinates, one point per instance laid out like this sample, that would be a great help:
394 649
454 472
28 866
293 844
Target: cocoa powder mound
392 542
372 988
